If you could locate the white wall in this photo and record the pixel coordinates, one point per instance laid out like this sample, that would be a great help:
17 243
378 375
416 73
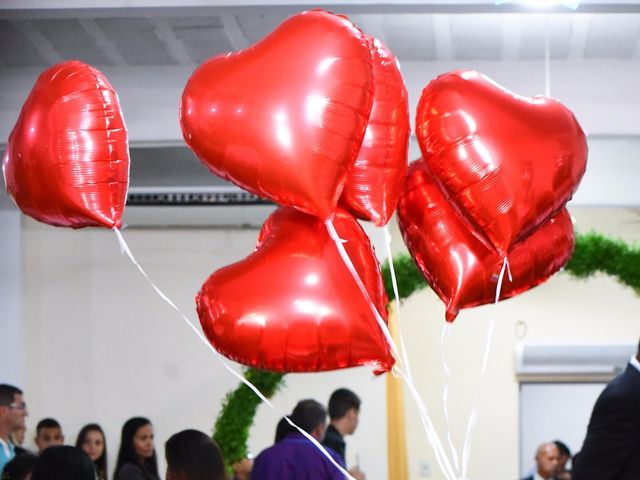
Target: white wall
11 360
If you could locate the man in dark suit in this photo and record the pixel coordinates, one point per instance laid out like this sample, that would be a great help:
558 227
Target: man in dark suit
611 449
547 457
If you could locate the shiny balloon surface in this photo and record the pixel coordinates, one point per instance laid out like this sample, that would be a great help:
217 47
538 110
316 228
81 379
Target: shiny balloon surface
292 305
507 162
454 260
375 179
67 158
285 118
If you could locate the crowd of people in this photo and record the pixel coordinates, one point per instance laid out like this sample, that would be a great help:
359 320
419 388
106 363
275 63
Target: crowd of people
190 454
611 449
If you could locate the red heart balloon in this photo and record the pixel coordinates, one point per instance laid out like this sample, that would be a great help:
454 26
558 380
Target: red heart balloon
459 266
67 158
507 162
285 118
292 305
375 179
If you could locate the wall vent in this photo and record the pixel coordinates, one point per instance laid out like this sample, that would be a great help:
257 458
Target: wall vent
192 196
573 362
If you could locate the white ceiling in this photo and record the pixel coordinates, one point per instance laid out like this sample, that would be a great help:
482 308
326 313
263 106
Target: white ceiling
169 38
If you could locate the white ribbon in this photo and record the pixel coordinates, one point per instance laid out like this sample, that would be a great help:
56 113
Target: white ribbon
124 248
432 435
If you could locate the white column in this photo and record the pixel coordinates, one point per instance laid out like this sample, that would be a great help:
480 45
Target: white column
11 341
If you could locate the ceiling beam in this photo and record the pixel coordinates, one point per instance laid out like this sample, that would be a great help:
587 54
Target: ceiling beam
175 47
234 32
443 37
579 35
105 8
511 37
102 41
41 43
372 24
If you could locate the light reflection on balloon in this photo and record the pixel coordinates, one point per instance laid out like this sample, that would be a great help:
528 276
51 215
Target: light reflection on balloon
453 258
374 181
67 159
292 305
507 162
284 118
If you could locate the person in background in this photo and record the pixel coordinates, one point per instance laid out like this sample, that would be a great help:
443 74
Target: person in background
295 457
13 411
242 469
137 455
19 467
48 434
193 455
611 449
63 462
546 462
91 440
344 411
283 429
562 473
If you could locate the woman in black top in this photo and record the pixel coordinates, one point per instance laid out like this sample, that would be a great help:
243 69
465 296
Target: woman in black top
137 455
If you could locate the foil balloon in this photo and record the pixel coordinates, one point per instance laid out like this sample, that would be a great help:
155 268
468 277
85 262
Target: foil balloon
457 264
508 163
292 305
375 179
67 158
284 118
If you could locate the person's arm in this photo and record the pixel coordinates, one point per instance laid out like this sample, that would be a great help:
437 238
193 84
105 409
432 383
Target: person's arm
610 441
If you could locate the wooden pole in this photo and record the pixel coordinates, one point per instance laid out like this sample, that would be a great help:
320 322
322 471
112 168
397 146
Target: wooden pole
396 430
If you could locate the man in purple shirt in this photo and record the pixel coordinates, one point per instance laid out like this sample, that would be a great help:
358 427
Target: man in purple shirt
295 457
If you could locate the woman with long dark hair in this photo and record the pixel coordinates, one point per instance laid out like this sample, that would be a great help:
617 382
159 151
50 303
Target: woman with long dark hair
192 455
91 440
137 455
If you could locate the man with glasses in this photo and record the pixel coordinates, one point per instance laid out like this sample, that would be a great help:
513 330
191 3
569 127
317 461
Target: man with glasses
13 410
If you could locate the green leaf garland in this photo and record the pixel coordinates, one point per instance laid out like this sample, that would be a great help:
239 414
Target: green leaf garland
231 430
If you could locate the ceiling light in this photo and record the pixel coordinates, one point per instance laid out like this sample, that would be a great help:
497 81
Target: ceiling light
572 4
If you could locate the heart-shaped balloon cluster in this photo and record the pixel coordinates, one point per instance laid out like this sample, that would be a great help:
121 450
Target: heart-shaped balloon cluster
496 172
313 115
67 158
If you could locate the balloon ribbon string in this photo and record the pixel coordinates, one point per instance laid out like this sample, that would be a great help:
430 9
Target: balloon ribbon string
124 248
466 450
432 435
396 294
403 348
445 394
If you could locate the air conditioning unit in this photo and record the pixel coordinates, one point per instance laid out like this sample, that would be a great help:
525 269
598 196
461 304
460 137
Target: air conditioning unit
542 362
169 187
